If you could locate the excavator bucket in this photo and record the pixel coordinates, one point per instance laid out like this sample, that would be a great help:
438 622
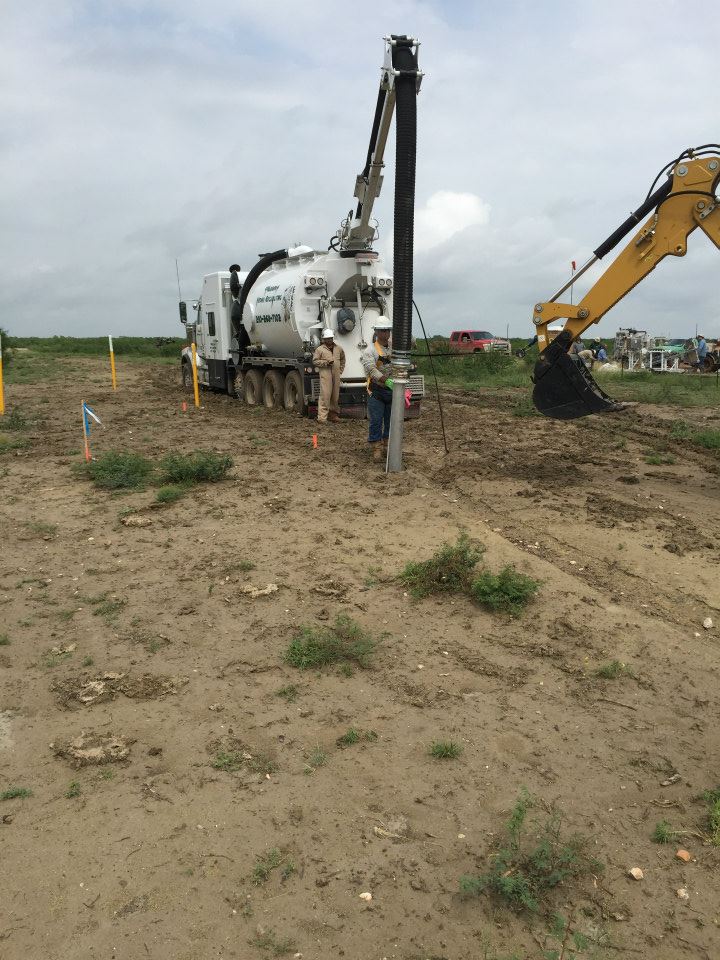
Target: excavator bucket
564 389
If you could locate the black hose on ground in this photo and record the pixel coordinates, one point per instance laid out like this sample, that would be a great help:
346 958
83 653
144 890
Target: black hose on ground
266 260
404 60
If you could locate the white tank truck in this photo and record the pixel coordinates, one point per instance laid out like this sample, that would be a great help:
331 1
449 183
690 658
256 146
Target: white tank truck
255 331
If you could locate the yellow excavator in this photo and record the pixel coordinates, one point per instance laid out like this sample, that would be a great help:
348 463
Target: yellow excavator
564 389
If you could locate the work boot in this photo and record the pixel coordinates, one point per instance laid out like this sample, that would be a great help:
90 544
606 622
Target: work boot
377 452
333 418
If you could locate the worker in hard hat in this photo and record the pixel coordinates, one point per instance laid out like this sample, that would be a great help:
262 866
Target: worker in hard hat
329 358
376 364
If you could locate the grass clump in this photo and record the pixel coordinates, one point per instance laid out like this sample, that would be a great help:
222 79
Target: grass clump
233 760
445 750
344 642
354 736
663 832
119 471
269 942
73 790
712 799
613 669
710 439
288 693
267 862
318 758
15 793
447 571
170 493
659 459
532 860
507 591
202 466
452 570
15 420
4 640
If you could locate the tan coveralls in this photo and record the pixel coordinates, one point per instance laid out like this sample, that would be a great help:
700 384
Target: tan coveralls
330 363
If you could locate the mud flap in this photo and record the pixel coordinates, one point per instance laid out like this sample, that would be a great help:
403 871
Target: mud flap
564 389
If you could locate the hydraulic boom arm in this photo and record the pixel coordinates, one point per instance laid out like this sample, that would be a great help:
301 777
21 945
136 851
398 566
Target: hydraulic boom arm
356 232
563 387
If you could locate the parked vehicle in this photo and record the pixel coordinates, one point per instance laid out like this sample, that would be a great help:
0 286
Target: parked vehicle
477 341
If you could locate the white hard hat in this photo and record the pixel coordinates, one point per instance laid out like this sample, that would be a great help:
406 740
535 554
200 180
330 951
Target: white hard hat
382 323
327 334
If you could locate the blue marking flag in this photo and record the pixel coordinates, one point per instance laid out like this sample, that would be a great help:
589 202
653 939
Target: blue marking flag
87 415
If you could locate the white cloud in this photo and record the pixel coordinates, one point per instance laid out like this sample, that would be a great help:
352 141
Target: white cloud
446 214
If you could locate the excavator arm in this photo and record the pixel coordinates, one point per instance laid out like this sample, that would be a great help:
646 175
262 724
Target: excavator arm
564 389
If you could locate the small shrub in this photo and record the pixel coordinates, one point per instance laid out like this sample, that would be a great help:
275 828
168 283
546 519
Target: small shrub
268 862
73 790
663 832
532 860
15 793
170 493
445 750
202 466
447 571
354 736
613 670
710 439
712 799
507 591
288 693
269 942
119 471
344 642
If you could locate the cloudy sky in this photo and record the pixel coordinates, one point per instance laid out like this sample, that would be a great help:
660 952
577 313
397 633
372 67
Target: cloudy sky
137 131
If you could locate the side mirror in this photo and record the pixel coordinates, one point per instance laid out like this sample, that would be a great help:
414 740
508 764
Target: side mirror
183 311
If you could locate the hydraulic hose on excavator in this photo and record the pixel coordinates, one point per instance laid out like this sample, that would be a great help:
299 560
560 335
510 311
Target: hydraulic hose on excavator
564 388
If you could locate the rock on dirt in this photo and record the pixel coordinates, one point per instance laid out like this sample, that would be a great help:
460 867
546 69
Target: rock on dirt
93 749
88 690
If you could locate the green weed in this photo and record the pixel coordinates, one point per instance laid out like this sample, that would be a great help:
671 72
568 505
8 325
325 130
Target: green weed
449 570
4 640
54 657
109 609
659 459
87 662
15 793
710 439
532 860
171 493
268 862
613 670
712 799
14 420
202 466
73 790
570 943
269 942
119 471
344 642
507 591
445 750
354 736
234 760
663 832
318 758
288 693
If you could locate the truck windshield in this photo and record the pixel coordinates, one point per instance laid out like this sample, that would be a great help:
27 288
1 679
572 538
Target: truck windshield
482 335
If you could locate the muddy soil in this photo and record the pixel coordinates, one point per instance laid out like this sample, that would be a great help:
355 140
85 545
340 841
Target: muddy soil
155 799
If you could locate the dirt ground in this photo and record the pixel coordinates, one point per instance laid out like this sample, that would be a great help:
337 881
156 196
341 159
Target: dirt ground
134 658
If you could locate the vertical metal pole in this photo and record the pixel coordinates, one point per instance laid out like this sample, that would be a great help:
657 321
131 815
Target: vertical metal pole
195 376
112 364
2 387
401 362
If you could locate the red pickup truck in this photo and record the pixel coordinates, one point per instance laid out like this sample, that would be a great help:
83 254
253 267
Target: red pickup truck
477 341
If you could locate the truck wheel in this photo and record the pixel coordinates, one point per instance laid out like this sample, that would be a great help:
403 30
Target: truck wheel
253 388
238 386
272 389
294 395
187 377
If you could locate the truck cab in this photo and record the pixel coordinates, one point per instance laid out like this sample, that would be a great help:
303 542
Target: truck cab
477 341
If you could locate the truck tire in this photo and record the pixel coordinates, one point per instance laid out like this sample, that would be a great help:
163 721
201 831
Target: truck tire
272 389
252 388
293 394
187 377
238 385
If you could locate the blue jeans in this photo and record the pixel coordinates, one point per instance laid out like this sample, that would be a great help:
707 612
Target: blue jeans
379 415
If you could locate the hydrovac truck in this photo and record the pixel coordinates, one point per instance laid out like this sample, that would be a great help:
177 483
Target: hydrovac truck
255 332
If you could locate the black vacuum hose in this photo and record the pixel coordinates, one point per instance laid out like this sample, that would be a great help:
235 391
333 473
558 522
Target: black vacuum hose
266 259
404 59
